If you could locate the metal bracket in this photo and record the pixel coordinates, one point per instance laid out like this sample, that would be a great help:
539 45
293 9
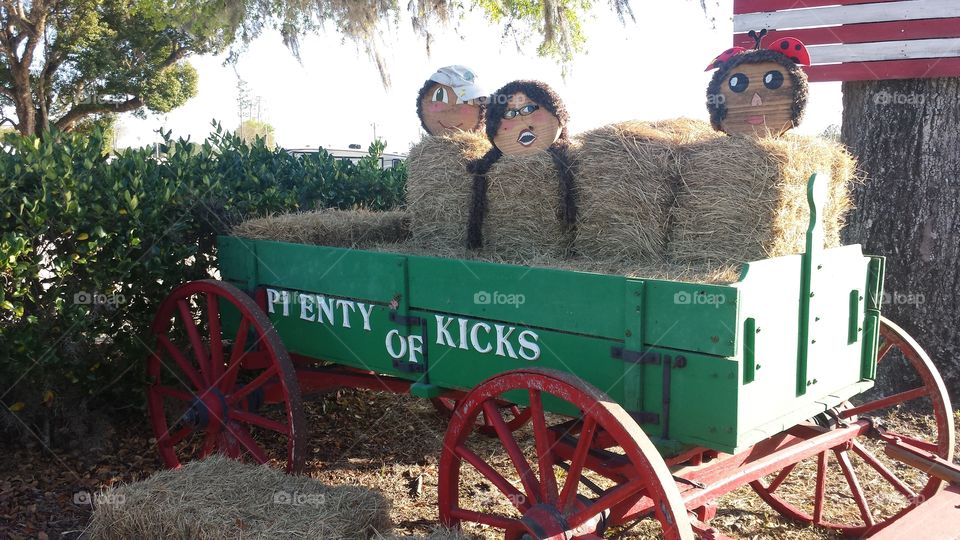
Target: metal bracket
405 320
644 417
410 367
635 357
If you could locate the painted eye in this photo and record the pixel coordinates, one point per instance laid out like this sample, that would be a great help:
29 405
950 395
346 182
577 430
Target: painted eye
510 113
441 95
528 109
773 79
739 82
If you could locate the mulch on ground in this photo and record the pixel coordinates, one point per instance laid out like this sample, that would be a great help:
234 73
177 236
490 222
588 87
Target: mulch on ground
381 441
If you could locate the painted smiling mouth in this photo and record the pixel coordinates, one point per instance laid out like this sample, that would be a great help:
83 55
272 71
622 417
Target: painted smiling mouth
526 137
755 120
449 127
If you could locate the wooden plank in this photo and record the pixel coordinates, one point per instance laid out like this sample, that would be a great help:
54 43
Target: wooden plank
862 13
885 50
863 33
756 6
891 69
573 302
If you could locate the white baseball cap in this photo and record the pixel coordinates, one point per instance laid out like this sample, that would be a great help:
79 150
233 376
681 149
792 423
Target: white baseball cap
462 80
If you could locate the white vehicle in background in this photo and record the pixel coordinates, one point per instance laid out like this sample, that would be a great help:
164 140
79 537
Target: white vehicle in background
354 153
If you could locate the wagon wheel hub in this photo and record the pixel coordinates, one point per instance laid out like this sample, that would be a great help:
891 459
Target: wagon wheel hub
208 411
545 522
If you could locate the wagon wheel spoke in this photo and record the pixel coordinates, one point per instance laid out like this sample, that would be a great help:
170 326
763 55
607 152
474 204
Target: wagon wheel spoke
171 439
572 482
778 480
611 497
216 339
236 357
882 469
196 342
527 478
545 456
256 383
823 460
854 484
209 443
173 393
185 366
259 421
247 442
889 401
517 499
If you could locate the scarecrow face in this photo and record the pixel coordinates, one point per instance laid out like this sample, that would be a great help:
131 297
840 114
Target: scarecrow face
526 127
759 99
443 115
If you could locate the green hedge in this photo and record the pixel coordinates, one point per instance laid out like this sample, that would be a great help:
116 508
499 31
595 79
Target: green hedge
91 244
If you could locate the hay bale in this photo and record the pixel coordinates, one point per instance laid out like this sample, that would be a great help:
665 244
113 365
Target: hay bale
439 187
686 130
623 175
337 228
742 199
222 498
523 220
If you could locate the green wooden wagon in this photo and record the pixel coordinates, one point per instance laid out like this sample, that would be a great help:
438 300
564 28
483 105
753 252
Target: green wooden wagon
638 398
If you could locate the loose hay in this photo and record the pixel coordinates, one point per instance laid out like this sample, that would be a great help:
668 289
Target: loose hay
523 220
743 199
221 498
439 187
691 272
337 228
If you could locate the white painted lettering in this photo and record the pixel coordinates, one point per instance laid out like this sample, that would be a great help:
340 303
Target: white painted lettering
475 337
529 348
416 346
344 305
443 334
395 354
286 303
326 309
306 307
503 341
273 296
463 334
366 314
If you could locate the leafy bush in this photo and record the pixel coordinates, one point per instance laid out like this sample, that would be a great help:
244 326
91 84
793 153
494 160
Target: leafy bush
90 244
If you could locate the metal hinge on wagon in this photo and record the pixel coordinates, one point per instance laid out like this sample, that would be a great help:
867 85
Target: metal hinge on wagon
408 320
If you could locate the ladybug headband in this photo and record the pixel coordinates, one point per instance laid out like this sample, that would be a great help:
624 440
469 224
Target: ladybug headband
792 48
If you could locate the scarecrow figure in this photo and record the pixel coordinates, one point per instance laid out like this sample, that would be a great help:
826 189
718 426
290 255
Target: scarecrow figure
759 91
523 117
450 101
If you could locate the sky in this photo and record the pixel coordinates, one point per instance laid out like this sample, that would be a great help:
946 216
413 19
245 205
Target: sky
651 69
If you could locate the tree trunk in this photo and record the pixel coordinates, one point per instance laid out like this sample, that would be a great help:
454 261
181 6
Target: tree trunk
906 135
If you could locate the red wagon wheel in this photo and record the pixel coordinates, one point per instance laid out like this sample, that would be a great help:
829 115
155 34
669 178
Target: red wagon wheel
548 505
214 391
516 419
897 352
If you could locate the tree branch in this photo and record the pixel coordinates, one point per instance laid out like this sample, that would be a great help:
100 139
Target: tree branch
86 109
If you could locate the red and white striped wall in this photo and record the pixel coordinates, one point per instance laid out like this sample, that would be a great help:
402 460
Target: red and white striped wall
854 40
